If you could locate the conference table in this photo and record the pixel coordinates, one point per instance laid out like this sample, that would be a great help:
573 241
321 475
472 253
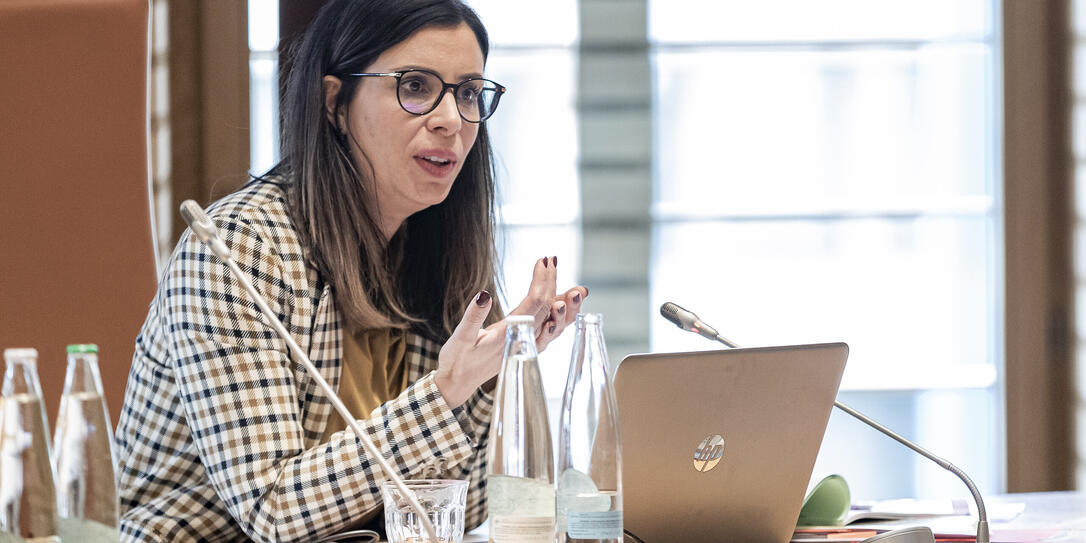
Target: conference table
1046 517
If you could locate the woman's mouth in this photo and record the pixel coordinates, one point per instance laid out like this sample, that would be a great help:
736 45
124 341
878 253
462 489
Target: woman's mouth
437 165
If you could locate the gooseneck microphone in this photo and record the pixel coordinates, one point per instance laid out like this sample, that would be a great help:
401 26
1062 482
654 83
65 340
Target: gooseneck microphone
205 231
688 321
691 323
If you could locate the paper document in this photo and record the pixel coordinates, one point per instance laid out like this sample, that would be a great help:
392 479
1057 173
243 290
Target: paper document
913 508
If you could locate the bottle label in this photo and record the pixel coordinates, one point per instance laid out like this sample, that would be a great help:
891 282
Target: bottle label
515 529
595 525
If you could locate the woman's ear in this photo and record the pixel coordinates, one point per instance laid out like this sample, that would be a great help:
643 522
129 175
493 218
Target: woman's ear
332 84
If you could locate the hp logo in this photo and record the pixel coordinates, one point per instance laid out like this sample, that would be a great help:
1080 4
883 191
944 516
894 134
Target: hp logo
709 453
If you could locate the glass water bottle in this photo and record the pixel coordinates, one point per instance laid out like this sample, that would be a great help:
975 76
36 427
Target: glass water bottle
27 495
520 472
589 495
84 465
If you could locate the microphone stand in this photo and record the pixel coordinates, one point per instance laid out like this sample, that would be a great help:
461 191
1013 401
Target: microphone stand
982 523
206 232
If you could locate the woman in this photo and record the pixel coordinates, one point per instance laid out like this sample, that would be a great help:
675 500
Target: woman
373 242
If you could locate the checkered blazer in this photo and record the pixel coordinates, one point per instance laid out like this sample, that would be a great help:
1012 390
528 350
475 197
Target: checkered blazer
219 435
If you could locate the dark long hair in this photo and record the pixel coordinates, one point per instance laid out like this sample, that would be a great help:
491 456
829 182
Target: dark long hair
442 255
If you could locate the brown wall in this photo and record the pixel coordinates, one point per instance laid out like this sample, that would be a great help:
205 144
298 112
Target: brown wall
76 254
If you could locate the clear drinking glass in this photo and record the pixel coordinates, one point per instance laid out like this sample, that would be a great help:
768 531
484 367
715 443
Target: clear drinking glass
28 508
443 500
83 461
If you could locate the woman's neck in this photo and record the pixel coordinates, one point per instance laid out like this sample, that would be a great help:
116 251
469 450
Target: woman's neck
389 228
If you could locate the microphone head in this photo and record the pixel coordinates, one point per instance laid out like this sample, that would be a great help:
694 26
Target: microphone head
672 312
204 229
191 212
198 221
691 323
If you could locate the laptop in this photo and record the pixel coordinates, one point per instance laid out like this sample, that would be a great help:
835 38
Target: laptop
719 445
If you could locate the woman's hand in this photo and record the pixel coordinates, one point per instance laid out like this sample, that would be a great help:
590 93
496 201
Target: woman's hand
552 312
472 356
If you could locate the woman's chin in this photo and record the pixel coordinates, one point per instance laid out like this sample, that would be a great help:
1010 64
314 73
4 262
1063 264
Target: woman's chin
433 193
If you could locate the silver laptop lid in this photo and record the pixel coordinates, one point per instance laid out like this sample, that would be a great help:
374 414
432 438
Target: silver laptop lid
720 445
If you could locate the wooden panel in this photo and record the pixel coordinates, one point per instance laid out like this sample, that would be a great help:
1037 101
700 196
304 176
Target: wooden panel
225 34
1039 277
209 100
186 103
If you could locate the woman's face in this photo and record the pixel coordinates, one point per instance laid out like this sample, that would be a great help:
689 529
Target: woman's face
415 158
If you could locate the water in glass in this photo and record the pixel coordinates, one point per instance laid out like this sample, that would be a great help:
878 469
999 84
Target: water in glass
442 499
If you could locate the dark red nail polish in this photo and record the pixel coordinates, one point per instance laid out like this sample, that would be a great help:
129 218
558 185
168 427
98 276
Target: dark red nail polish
561 309
576 297
482 298
545 263
554 261
551 329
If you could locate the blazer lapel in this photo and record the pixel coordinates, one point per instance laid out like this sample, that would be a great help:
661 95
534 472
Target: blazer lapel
326 352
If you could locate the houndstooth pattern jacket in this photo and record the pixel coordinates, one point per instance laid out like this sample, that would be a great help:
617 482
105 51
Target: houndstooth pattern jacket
218 438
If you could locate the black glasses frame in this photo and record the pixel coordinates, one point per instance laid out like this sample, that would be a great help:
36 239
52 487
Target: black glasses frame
499 90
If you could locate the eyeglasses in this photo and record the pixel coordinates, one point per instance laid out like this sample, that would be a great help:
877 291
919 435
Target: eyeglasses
419 92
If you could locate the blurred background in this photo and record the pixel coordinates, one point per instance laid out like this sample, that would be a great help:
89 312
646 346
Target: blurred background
900 175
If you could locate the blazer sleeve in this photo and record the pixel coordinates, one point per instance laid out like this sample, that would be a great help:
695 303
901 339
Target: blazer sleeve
239 390
474 417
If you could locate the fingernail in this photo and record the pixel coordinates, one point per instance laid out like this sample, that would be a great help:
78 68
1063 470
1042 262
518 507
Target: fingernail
545 259
561 309
551 329
586 291
576 297
554 261
482 298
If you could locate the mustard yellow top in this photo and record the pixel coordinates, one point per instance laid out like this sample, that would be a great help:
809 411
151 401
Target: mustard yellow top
373 372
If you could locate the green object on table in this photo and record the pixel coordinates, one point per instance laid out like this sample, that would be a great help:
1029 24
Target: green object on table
827 504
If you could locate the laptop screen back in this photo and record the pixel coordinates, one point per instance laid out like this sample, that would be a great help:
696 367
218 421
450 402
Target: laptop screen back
720 445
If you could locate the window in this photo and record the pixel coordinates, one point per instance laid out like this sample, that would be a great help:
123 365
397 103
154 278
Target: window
829 169
832 175
263 85
534 134
159 111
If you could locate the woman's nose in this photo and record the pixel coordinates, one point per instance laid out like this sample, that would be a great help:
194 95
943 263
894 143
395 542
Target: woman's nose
446 116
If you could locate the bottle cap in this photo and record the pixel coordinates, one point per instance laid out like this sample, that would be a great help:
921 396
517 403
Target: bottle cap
83 348
16 354
590 318
518 320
